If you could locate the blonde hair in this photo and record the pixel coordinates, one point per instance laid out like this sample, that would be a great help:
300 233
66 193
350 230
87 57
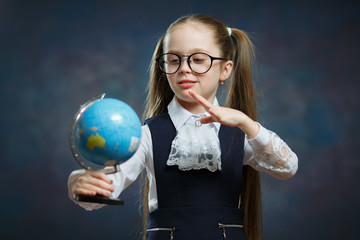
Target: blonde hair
240 96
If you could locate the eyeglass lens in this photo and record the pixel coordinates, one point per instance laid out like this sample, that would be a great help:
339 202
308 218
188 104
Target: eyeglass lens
198 62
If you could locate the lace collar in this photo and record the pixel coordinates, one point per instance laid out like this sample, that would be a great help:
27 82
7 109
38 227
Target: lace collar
196 146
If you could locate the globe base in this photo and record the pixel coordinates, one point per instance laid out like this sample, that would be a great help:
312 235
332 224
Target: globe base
99 199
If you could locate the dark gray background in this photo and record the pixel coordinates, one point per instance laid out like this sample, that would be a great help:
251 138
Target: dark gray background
54 55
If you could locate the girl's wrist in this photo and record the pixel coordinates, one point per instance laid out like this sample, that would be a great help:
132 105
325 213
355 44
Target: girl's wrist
249 127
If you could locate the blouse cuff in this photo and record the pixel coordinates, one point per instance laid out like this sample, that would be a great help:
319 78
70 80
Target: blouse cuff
261 139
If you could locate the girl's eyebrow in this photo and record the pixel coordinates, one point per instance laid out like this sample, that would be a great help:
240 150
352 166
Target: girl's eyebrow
191 51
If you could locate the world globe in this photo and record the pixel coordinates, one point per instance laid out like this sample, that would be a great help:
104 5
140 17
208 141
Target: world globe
104 132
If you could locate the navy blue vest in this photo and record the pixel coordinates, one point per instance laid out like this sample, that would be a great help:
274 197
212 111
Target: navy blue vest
196 204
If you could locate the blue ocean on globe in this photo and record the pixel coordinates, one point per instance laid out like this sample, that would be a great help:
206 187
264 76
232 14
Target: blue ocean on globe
107 132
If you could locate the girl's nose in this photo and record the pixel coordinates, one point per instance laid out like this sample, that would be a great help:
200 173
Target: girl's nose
184 66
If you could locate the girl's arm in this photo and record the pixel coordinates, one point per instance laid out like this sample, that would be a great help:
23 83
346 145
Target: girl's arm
267 152
264 150
92 182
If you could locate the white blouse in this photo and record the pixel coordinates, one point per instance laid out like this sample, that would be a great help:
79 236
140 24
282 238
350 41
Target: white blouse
266 152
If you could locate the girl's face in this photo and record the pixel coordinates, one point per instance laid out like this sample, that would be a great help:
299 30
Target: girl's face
186 39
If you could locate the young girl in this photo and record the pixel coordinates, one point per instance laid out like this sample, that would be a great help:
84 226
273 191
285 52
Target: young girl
201 159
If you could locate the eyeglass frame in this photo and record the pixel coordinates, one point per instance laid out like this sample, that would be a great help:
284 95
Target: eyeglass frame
188 61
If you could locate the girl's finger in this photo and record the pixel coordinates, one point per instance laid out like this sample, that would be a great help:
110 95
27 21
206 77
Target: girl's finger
99 190
91 190
208 119
86 192
91 186
200 99
98 183
100 175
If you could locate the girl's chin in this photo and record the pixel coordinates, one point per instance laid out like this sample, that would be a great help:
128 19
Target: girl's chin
187 99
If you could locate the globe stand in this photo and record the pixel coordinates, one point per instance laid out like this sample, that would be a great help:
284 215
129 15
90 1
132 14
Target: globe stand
99 199
110 167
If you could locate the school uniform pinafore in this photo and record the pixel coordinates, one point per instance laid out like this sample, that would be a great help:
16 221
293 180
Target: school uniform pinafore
196 204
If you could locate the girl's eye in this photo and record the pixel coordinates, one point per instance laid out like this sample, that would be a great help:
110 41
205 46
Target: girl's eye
198 60
173 60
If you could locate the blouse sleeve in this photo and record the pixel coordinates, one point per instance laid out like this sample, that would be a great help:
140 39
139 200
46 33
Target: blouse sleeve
129 171
267 152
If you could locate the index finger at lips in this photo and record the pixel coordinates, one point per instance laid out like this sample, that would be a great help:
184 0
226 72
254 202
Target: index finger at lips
200 99
193 94
204 102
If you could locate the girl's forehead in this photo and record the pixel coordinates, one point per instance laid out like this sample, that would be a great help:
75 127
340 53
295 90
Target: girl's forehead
188 36
192 25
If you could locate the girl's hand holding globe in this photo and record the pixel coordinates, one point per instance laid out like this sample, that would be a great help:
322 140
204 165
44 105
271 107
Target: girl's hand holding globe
105 132
93 183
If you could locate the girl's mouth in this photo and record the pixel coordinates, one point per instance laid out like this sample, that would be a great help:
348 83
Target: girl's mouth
187 83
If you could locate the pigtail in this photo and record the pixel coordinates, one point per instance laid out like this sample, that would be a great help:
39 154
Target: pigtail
241 96
159 91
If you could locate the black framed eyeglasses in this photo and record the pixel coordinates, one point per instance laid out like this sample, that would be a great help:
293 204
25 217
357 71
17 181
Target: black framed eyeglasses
199 63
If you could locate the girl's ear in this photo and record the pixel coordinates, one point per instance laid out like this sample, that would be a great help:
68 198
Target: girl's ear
226 70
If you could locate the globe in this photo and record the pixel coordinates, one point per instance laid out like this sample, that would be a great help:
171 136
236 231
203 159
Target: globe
104 132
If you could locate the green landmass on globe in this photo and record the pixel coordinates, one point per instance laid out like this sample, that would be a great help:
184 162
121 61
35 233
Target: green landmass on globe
95 141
